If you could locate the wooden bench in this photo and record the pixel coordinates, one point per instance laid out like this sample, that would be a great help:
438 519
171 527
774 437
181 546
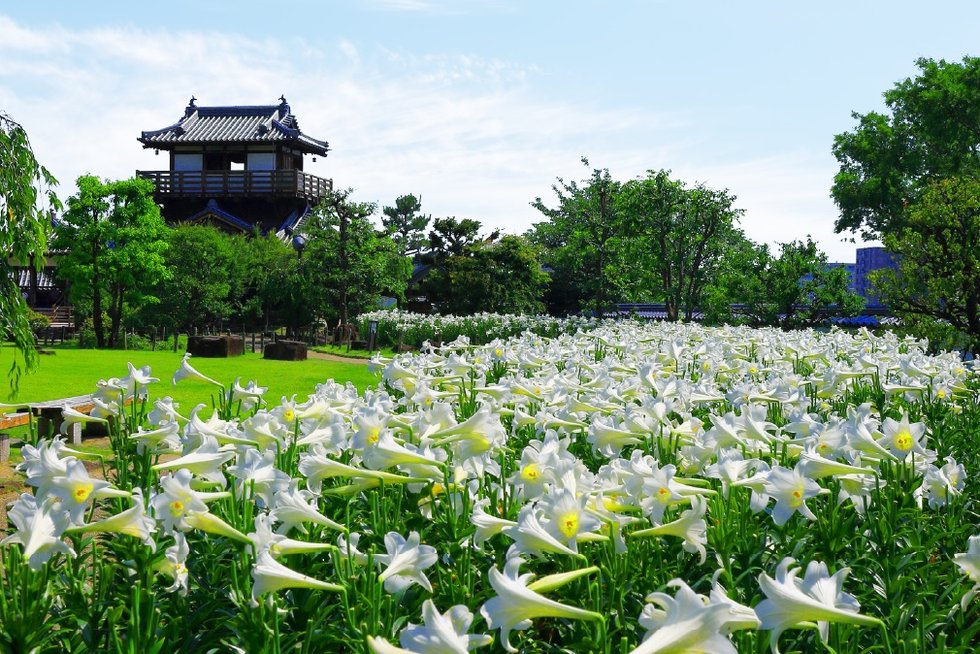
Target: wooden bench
48 418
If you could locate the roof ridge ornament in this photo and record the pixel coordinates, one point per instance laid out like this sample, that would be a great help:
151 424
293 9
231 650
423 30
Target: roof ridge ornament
191 107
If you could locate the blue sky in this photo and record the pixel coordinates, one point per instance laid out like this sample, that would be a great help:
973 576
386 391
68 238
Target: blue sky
479 105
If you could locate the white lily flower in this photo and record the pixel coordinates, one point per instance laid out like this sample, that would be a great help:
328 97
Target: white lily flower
440 633
816 466
740 615
164 411
39 529
264 538
73 416
258 469
690 527
265 430
138 380
969 563
903 438
818 597
939 484
406 559
176 499
186 371
134 522
487 526
76 489
791 489
163 439
270 576
384 453
687 622
220 430
206 461
174 564
531 537
515 605
248 395
210 523
478 434
610 440
567 517
294 507
43 463
348 549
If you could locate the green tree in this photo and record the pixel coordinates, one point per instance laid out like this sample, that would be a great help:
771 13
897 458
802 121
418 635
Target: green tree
904 172
354 264
451 237
580 242
405 224
930 133
795 289
267 265
501 277
938 275
200 288
25 187
675 238
115 240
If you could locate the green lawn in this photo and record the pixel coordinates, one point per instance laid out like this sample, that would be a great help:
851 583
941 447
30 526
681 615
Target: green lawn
72 371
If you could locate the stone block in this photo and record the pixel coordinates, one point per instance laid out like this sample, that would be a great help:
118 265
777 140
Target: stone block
216 346
285 351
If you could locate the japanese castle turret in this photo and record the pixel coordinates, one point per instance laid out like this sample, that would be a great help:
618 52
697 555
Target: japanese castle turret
238 168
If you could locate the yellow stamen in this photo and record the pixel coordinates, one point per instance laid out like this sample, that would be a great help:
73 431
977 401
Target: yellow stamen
903 440
568 524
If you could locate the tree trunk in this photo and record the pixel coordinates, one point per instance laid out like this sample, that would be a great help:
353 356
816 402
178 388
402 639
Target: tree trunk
115 315
343 264
97 326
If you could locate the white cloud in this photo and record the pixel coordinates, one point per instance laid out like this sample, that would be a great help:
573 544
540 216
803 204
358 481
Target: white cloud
442 6
474 137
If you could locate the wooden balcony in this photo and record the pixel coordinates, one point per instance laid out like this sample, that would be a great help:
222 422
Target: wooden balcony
171 184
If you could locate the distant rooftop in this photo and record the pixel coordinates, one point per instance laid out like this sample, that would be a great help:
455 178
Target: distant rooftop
235 124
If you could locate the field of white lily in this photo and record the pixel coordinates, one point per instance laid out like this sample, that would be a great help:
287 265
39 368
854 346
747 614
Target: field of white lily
409 328
631 488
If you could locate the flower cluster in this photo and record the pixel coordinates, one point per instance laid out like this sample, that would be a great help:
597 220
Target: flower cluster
597 459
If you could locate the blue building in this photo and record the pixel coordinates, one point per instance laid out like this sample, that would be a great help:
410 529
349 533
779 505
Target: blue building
867 261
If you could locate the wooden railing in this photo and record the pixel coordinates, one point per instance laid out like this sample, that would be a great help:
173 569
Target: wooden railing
237 183
60 316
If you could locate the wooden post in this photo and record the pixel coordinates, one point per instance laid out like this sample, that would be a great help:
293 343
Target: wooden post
4 447
75 431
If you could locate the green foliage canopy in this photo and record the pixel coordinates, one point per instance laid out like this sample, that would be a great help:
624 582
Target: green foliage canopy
115 241
205 277
405 224
932 131
25 188
501 277
792 290
938 275
580 239
348 265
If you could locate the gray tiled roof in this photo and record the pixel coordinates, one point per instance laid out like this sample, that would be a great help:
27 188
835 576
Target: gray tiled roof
240 124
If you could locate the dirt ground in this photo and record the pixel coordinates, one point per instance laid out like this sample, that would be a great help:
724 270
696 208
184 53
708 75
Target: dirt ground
12 483
336 357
